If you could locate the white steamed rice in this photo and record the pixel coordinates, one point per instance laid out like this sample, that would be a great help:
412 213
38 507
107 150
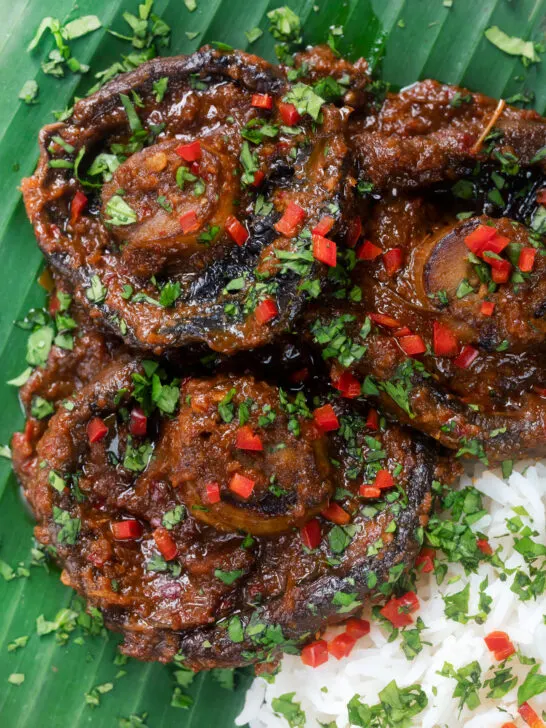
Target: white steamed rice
374 662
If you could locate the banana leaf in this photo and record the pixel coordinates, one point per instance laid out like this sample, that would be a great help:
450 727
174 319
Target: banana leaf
71 675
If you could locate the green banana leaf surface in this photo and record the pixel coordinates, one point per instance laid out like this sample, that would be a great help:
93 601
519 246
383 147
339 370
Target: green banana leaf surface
72 675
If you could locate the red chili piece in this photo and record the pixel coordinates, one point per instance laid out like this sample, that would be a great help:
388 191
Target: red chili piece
487 308
369 491
258 178
236 230
126 530
341 646
466 357
348 385
357 628
289 114
262 101
324 226
242 485
189 222
383 479
336 514
412 345
292 218
265 311
368 251
397 611
526 259
372 421
484 546
165 543
311 534
325 250
326 418
138 422
426 560
79 201
190 152
315 653
247 440
96 430
392 260
213 493
500 644
383 320
530 717
444 340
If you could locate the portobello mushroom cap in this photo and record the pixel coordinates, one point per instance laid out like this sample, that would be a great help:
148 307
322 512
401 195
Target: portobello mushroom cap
189 581
432 132
157 201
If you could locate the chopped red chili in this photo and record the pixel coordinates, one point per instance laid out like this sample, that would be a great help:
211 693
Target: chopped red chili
383 479
325 250
426 560
326 418
213 493
96 430
368 251
392 260
189 222
336 514
372 421
289 114
384 320
138 422
397 613
242 485
311 534
247 440
484 546
258 178
126 530
190 152
341 646
236 230
324 226
265 311
79 201
477 239
526 259
412 345
530 716
315 653
369 491
487 308
467 355
262 101
348 385
165 543
292 218
500 269
357 628
444 340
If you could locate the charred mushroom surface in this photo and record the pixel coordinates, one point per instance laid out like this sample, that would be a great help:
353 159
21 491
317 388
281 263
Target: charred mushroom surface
452 333
369 273
179 199
183 531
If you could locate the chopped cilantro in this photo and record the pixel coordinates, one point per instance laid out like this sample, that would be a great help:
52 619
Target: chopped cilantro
286 706
306 101
119 213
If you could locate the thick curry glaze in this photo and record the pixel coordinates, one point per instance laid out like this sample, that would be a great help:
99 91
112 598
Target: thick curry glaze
369 274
